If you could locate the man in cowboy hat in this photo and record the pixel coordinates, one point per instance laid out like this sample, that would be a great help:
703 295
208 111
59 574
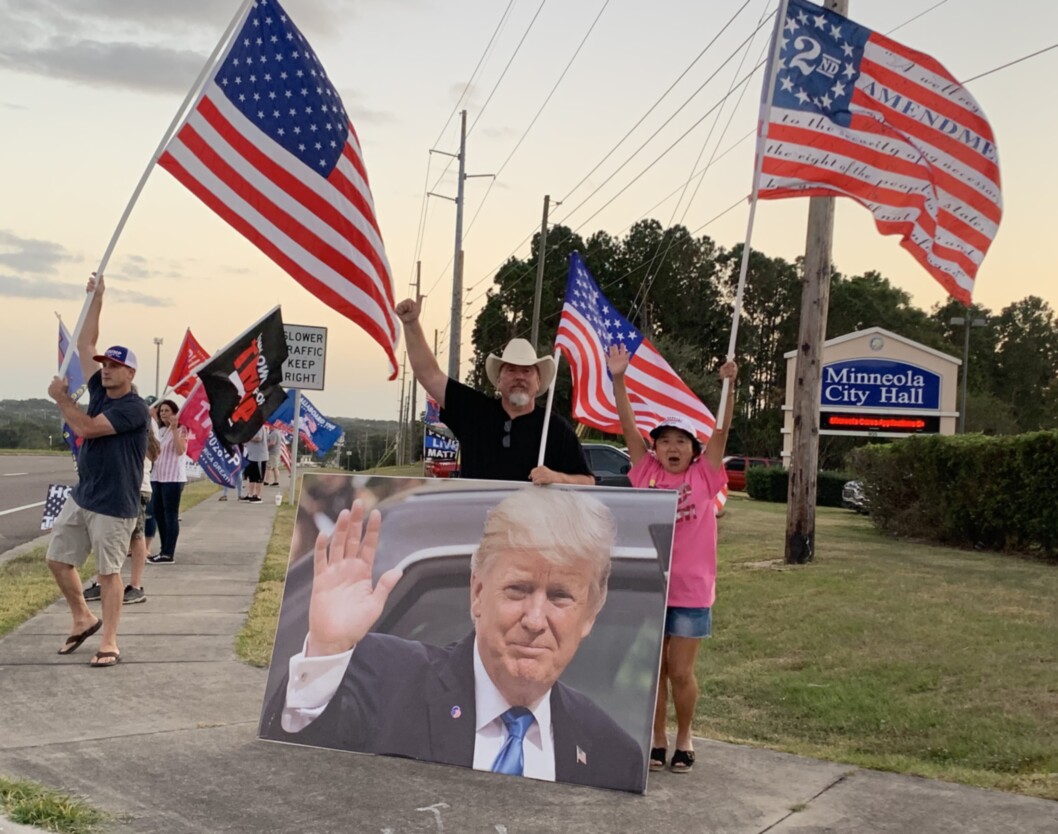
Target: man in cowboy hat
499 438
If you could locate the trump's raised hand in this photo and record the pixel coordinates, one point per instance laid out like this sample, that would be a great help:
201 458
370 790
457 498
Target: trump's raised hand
344 606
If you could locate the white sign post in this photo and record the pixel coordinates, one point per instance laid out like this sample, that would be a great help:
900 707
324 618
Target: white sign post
304 369
306 357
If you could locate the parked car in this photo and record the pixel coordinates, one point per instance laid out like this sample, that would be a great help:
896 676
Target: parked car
736 466
442 468
608 464
853 497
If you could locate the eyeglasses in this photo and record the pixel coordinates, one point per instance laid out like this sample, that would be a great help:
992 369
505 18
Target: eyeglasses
507 434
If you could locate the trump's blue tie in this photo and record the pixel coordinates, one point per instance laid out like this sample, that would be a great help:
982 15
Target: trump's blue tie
511 758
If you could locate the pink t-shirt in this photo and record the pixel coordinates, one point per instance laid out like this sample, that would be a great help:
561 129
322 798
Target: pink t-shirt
692 575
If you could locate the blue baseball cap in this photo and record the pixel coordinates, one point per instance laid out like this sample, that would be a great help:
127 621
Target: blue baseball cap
119 354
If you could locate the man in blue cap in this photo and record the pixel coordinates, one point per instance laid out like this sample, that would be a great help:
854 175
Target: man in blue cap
100 513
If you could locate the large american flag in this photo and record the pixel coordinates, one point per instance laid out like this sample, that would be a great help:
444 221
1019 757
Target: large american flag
857 114
268 146
588 326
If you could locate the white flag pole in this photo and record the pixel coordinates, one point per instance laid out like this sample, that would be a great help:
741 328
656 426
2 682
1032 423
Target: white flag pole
762 138
547 408
294 448
181 114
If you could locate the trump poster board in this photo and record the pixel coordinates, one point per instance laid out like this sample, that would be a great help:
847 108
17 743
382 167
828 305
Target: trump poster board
487 624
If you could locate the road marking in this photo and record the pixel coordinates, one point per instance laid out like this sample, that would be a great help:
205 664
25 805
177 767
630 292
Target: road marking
13 474
18 509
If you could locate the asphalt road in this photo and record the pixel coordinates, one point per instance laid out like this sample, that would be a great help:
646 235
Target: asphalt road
24 483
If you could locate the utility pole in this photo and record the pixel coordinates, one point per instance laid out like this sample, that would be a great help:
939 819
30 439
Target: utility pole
815 298
541 256
455 328
968 321
157 365
400 409
414 384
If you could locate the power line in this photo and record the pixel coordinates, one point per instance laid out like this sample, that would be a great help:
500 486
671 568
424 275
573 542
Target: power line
1012 63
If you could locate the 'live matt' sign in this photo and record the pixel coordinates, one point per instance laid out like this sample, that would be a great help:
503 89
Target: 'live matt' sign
879 383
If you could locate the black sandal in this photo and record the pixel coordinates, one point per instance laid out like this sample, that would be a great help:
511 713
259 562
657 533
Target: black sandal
658 755
682 761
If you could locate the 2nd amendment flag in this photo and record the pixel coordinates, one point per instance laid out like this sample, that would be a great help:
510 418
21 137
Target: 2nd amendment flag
242 381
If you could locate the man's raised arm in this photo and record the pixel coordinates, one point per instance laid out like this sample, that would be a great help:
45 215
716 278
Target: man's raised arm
423 362
88 338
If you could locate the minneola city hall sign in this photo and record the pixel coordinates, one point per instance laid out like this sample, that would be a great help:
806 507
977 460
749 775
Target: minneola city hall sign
876 383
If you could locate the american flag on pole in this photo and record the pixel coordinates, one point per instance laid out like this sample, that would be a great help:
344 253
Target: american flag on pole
588 326
269 147
859 115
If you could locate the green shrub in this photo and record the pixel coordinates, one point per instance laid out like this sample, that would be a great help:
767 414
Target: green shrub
995 492
772 483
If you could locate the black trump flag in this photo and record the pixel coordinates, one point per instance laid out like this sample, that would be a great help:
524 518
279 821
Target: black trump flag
242 381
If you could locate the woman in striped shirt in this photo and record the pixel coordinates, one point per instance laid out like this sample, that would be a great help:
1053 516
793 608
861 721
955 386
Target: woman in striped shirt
167 481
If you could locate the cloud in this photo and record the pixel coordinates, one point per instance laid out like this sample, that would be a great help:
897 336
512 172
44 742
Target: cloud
360 114
13 286
130 66
40 257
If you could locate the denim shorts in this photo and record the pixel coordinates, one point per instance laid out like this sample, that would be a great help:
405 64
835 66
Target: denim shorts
688 622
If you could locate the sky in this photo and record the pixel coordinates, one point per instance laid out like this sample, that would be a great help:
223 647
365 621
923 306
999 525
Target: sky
89 87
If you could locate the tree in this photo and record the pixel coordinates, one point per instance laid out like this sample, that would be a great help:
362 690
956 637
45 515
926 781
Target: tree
1027 362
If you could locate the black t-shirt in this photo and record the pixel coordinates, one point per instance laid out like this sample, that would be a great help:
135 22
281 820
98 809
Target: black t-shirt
481 426
110 469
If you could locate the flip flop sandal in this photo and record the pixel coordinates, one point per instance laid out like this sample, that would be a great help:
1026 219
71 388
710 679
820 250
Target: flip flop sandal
682 761
103 656
658 755
74 641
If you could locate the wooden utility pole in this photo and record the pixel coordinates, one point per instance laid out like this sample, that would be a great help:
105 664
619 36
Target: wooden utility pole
815 299
541 257
455 329
414 384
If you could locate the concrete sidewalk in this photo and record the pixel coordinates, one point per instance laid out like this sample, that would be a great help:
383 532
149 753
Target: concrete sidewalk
177 749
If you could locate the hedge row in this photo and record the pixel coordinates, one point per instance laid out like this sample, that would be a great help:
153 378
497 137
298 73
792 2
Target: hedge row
995 492
772 483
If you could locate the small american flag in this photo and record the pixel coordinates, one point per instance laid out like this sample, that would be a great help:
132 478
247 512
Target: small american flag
588 326
268 146
859 115
582 757
53 504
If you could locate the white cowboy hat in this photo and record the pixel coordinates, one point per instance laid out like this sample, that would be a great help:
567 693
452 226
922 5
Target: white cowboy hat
520 352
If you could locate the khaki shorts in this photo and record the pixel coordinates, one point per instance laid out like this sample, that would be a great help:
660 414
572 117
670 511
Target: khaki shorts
141 519
77 532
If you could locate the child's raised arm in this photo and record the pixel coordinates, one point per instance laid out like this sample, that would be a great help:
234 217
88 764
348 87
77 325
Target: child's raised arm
617 362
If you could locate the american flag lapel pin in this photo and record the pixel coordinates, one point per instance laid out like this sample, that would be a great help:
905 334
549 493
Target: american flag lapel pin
582 757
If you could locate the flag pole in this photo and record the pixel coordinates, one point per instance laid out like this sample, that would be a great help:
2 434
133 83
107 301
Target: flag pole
758 165
181 114
547 408
294 446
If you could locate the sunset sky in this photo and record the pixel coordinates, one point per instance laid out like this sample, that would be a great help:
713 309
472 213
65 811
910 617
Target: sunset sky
88 87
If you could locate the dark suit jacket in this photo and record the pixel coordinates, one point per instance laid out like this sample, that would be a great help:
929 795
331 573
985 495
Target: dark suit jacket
405 698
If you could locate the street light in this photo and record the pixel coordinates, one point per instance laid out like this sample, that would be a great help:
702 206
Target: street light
967 322
157 364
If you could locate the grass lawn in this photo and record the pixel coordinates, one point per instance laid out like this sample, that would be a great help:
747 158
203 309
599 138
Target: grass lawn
26 584
29 803
884 653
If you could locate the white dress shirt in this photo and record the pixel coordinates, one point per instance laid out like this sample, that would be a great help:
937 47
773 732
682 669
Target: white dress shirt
315 680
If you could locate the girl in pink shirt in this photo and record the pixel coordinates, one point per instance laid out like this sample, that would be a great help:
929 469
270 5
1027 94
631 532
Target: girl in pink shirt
677 462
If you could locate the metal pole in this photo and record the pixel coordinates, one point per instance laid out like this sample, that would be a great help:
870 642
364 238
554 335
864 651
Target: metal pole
815 299
965 368
541 256
157 365
455 329
400 410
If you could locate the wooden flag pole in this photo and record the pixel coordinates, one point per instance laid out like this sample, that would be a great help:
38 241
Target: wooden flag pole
180 116
758 165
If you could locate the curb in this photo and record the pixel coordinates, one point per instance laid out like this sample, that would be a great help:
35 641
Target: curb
21 550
